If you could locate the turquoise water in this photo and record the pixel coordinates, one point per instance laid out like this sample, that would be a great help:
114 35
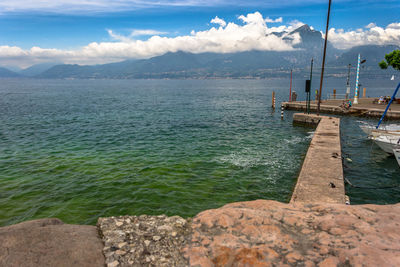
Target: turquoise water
80 149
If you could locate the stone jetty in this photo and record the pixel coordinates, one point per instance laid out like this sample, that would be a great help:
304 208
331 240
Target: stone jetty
367 107
321 177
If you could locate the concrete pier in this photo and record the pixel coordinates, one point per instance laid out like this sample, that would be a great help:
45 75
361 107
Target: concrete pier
367 107
321 176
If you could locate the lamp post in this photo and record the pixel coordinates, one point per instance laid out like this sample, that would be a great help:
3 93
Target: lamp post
359 62
348 83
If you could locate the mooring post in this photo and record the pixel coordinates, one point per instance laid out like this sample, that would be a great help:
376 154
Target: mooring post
273 99
334 93
364 92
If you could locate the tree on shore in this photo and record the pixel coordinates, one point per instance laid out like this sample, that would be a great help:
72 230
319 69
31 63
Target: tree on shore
392 59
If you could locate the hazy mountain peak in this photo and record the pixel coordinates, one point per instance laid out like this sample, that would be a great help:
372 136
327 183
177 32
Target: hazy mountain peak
304 28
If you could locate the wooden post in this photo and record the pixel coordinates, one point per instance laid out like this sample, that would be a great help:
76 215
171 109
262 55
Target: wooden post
273 99
334 93
364 92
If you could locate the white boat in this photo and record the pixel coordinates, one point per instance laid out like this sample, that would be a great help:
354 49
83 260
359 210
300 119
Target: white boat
392 79
387 142
396 152
371 130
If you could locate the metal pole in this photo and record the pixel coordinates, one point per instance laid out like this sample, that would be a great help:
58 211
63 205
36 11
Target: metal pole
348 83
323 58
290 90
387 107
357 80
309 93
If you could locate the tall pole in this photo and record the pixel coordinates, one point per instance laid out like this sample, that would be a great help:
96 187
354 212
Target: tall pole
357 80
309 93
323 58
290 90
348 83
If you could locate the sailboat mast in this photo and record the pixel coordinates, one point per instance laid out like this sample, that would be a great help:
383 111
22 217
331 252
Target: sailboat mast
323 59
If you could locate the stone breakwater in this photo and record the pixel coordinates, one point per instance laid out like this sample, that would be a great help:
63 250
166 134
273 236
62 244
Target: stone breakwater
258 233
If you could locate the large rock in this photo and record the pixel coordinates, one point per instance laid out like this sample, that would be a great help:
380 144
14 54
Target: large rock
254 233
269 233
50 242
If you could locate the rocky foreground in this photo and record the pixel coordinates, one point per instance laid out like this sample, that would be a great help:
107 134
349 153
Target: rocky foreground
255 233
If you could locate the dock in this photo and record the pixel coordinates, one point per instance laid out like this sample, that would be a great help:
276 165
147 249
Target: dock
366 107
321 177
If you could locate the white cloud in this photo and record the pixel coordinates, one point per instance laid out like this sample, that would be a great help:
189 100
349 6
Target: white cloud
253 34
278 20
371 35
395 26
218 21
134 33
146 32
371 25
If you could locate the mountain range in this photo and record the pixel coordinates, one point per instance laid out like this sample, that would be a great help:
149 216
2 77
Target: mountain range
250 64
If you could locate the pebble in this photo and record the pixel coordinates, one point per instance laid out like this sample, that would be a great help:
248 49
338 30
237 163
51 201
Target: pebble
156 238
113 264
120 245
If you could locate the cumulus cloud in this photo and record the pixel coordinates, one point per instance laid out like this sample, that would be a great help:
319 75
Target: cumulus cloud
278 20
218 21
371 35
251 34
371 25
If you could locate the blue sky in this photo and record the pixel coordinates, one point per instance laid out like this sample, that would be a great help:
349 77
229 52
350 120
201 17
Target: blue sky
63 30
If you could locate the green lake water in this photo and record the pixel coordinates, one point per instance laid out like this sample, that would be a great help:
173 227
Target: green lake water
81 149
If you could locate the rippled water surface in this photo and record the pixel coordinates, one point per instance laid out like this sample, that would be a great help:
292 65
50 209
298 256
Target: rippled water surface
80 149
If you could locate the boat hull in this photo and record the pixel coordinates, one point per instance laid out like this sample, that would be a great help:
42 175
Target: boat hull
387 142
397 155
372 131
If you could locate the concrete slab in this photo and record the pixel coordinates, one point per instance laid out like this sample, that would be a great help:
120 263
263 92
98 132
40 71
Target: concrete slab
321 177
50 242
366 108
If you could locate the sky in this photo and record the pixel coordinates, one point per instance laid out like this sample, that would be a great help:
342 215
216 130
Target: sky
101 31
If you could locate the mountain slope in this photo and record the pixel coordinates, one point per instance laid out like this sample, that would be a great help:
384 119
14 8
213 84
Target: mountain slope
37 69
6 73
